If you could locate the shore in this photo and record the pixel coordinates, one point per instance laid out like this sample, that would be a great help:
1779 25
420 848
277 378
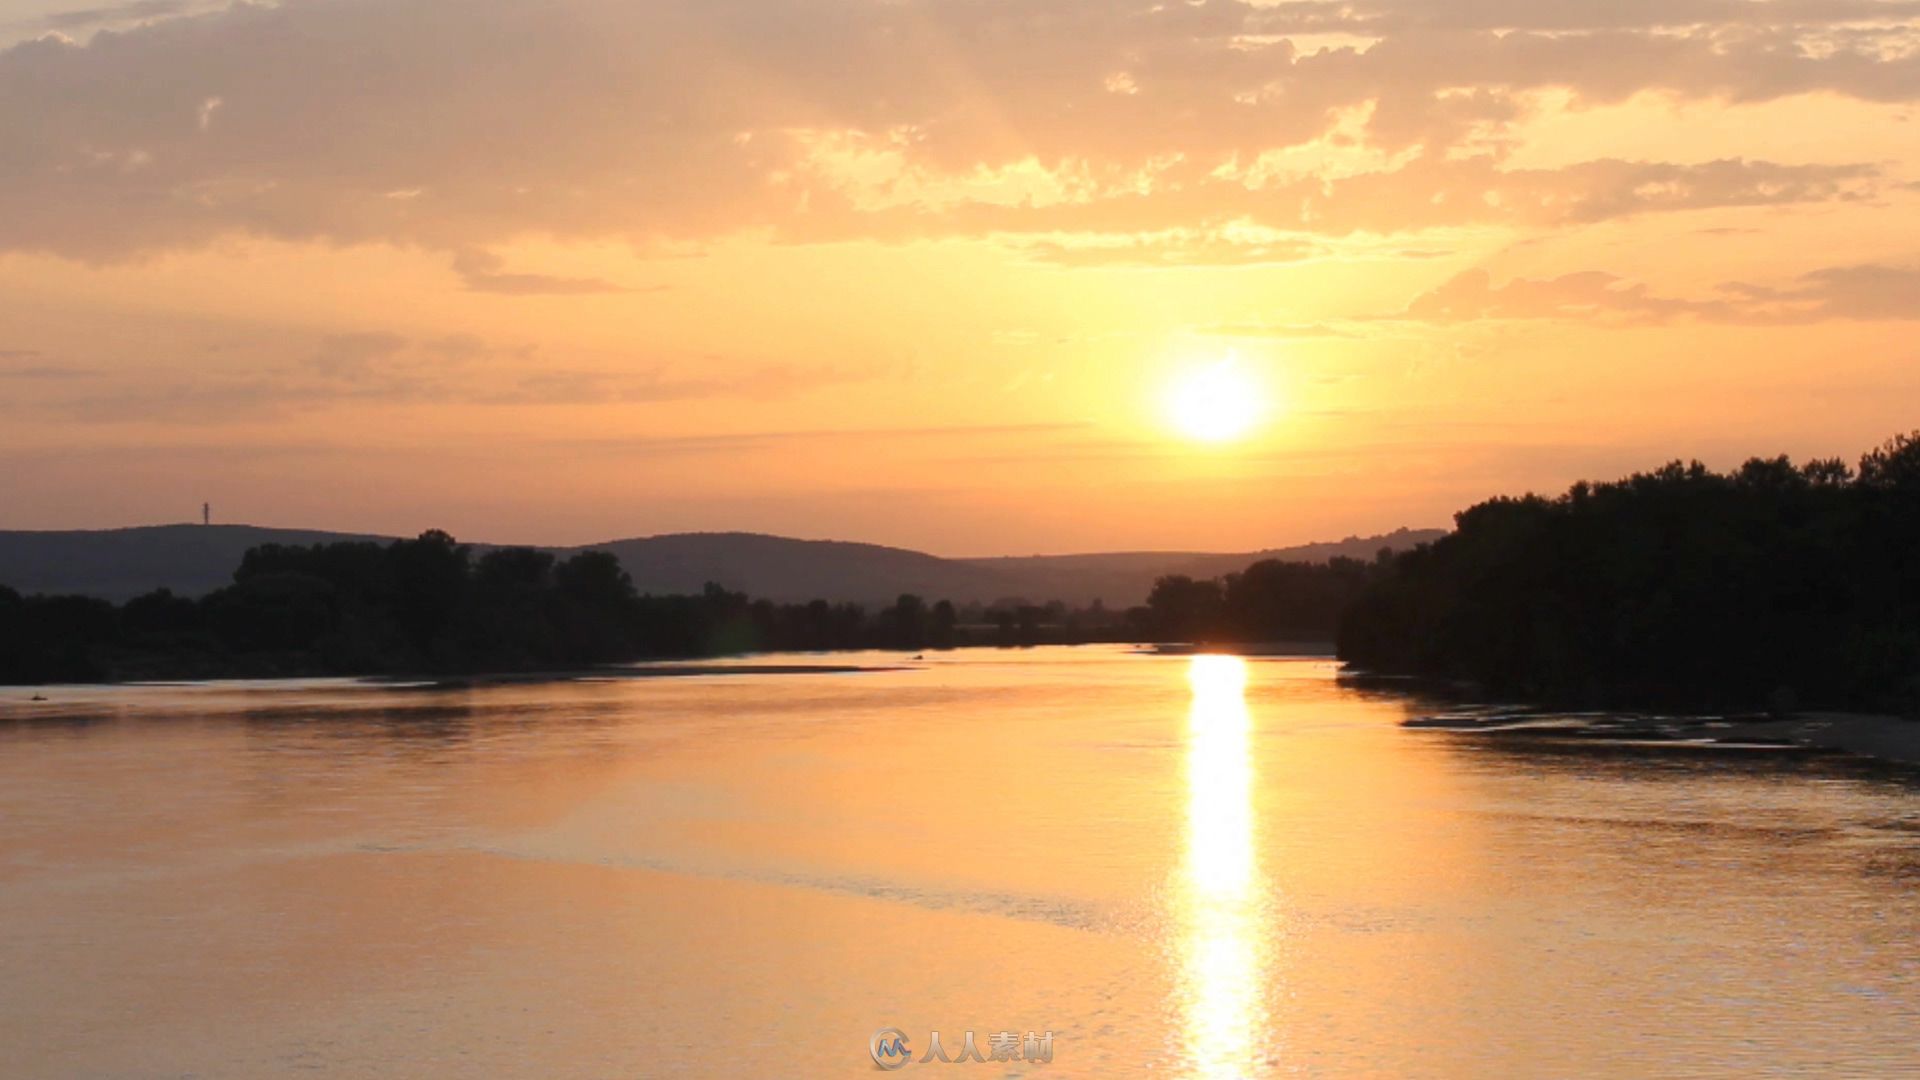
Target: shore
50 693
1884 738
617 672
1308 648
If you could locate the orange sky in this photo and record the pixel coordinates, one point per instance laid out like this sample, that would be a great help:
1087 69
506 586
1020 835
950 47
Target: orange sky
922 272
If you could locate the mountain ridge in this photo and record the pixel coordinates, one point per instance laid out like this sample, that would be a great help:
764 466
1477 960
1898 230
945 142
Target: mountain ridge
190 559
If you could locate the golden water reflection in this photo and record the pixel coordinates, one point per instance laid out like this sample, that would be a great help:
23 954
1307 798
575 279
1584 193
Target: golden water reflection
1222 940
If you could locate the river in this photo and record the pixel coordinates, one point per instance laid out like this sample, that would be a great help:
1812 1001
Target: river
1176 866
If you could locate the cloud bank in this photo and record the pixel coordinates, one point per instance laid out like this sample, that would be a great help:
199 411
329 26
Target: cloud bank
1072 126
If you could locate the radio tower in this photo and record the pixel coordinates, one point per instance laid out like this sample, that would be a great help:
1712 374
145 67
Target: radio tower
206 513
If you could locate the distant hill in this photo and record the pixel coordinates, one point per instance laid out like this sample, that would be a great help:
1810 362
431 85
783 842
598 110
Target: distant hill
1122 579
195 559
121 563
787 570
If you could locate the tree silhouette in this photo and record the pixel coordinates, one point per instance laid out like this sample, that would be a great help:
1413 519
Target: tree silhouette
1679 586
1676 586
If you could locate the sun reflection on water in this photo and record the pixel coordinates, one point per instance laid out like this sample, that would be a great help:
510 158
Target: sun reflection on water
1222 944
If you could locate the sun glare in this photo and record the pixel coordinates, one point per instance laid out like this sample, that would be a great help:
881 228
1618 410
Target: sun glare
1216 403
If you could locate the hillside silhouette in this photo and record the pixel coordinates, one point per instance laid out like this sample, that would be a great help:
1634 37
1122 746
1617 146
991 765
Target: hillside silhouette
193 560
119 564
431 605
1772 585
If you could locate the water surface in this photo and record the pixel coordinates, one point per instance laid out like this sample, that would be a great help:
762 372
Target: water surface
1180 866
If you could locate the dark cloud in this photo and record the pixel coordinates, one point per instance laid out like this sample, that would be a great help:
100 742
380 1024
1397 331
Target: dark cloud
464 124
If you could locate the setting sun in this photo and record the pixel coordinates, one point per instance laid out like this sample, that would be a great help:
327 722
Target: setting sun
1216 403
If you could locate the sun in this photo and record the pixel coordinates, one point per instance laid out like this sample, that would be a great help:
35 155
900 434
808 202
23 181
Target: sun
1216 403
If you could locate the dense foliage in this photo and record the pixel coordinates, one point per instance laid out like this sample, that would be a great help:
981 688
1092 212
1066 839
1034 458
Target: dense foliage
426 605
1271 601
1765 586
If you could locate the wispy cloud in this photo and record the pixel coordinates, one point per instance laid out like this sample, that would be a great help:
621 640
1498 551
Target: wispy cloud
382 368
1281 330
484 271
732 442
1866 292
86 18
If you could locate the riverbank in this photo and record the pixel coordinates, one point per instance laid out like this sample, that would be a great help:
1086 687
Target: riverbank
52 694
1884 738
614 673
302 666
1322 649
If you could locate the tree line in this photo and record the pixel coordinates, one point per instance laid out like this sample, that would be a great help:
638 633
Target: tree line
1270 602
432 605
1770 586
1773 585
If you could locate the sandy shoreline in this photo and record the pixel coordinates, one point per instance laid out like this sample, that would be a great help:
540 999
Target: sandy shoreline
1885 738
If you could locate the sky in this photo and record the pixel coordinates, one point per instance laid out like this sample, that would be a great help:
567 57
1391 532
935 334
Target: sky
939 273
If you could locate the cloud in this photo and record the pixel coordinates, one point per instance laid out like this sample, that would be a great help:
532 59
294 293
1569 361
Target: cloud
1592 294
1165 250
462 125
481 272
354 356
86 18
382 368
1273 330
1844 292
659 383
30 365
1293 220
1866 292
1389 16
45 372
730 442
